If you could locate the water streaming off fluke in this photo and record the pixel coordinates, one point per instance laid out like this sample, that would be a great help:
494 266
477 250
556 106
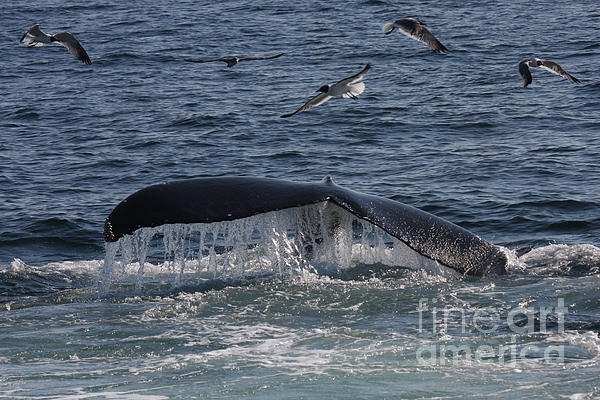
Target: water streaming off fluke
322 237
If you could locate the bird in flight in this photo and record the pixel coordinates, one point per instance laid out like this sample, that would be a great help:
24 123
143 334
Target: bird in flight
550 66
348 88
231 61
35 37
417 30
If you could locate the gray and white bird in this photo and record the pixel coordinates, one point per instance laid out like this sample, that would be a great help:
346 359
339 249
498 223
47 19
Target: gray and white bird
550 66
35 37
417 30
347 88
231 61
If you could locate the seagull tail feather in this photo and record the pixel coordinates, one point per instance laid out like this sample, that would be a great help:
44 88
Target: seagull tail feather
388 28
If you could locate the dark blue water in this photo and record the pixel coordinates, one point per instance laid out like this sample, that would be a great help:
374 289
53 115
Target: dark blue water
454 134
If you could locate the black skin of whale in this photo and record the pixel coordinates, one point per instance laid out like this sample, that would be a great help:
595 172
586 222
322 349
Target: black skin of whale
206 200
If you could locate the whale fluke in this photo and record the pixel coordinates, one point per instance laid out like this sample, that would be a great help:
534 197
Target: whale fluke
207 200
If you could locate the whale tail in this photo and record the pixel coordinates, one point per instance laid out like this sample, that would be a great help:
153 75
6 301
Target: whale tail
224 199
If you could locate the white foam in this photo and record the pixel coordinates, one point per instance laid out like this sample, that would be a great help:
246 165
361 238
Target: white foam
586 341
562 258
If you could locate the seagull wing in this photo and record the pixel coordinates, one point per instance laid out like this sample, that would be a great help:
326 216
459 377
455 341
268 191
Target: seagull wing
558 70
230 61
356 77
354 90
431 41
260 58
73 45
416 30
315 101
525 73
196 60
35 30
29 37
30 41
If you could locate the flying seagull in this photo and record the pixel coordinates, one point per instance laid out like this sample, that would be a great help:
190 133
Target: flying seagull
417 30
35 37
231 61
348 88
544 64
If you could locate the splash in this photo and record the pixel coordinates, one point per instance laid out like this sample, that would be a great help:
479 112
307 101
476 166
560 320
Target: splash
20 279
318 237
562 259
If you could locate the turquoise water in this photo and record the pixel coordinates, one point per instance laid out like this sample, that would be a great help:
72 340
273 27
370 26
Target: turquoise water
454 134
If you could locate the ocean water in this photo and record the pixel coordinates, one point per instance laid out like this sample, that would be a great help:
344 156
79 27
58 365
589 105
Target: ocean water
453 134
